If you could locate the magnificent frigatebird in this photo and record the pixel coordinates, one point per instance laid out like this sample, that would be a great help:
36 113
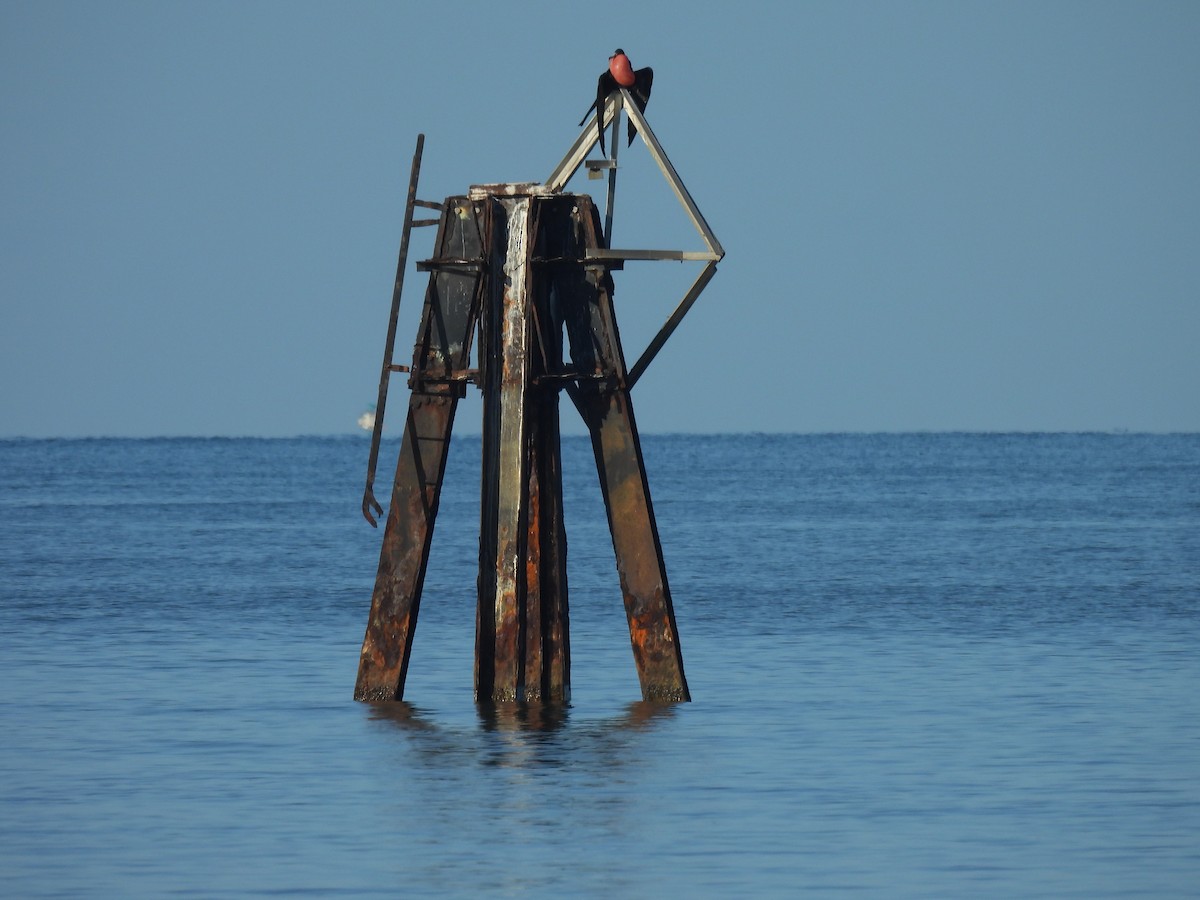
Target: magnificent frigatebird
620 74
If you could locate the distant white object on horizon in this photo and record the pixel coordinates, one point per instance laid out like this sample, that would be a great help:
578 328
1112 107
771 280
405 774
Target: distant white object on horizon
367 420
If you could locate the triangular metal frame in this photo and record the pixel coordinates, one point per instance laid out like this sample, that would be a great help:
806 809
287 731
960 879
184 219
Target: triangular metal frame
570 164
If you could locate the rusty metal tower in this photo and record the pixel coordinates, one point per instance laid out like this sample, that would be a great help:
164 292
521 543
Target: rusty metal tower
519 265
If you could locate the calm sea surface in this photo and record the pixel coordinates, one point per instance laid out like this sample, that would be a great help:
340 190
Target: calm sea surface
922 666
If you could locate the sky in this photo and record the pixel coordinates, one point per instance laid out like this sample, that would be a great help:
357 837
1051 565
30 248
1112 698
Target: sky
978 216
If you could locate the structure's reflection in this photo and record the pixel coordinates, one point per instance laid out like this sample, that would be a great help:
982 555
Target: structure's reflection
400 713
523 717
530 717
523 735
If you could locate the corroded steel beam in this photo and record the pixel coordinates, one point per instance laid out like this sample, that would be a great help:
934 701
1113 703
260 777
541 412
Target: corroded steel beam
521 641
440 356
648 606
607 409
512 283
548 654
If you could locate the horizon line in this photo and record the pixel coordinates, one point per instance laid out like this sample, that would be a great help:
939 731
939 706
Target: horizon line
1115 432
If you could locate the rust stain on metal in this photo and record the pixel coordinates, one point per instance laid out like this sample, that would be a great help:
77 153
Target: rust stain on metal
532 638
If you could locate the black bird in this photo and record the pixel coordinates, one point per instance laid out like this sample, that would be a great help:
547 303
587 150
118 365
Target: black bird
620 74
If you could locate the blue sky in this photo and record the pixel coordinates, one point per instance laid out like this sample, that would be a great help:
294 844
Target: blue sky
937 215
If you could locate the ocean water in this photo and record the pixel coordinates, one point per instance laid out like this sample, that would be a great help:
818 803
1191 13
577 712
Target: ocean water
928 665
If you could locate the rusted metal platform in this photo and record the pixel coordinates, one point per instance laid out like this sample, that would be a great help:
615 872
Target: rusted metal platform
522 266
516 267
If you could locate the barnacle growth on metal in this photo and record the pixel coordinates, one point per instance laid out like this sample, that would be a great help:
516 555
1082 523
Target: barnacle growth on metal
516 267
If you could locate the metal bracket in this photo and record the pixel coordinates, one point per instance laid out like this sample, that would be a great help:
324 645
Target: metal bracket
713 253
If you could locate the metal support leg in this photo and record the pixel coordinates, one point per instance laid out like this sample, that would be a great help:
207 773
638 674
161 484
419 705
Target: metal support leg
521 625
607 409
387 644
439 361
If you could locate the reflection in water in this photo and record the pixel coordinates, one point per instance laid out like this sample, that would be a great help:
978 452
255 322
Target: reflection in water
644 713
521 735
522 717
507 775
399 712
